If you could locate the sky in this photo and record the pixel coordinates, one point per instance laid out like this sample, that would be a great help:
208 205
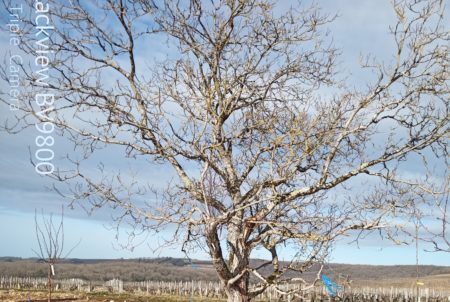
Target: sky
361 28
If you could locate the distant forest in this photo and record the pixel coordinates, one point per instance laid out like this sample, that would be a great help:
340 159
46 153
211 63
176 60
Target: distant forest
175 269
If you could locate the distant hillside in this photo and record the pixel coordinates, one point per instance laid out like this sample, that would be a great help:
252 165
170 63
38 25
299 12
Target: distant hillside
171 269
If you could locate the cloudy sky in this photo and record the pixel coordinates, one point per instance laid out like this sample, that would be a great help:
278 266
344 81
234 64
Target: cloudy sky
361 28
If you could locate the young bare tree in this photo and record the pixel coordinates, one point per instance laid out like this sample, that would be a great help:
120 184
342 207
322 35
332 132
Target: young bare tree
50 238
265 159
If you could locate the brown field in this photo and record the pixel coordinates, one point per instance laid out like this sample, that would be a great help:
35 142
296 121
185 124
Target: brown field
177 276
173 269
436 282
41 296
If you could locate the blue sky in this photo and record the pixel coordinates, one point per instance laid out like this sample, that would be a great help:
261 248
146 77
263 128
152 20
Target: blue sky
361 28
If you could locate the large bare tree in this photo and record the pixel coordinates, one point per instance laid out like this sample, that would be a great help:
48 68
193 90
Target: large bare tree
273 149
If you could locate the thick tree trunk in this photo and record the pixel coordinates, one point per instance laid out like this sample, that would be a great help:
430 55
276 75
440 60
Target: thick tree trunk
235 295
238 263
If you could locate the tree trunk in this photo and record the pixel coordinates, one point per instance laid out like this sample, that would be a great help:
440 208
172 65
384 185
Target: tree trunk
235 295
49 283
238 262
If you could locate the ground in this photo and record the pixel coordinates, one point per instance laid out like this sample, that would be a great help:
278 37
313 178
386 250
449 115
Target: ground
40 296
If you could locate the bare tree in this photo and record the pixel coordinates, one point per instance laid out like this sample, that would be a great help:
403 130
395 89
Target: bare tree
50 238
264 159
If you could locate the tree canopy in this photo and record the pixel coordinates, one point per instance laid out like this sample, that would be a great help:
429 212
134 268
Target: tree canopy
264 159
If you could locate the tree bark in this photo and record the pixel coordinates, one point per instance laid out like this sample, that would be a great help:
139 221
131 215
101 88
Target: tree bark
238 263
49 283
235 295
